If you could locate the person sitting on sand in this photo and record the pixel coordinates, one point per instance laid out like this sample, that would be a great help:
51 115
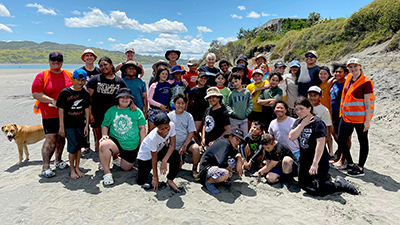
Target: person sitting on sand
220 159
122 131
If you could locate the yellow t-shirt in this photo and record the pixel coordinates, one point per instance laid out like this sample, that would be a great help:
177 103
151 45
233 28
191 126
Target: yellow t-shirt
251 87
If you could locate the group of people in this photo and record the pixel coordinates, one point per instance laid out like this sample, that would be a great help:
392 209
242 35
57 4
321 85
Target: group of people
229 119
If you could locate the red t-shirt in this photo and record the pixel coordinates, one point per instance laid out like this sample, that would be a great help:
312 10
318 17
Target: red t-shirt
55 84
191 78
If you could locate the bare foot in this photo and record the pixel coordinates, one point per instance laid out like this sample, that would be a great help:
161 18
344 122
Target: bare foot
172 185
74 175
79 173
337 164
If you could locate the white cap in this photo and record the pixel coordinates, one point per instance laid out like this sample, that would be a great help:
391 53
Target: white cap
354 60
314 89
192 61
129 50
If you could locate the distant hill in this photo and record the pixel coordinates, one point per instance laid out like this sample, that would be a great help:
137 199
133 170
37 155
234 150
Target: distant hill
28 52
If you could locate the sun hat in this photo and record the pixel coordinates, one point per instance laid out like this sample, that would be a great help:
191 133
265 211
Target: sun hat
170 51
192 61
315 89
236 132
262 56
56 55
125 92
279 64
224 61
88 51
177 69
354 60
312 52
128 49
242 57
240 67
257 71
161 119
159 62
134 64
213 91
79 74
295 63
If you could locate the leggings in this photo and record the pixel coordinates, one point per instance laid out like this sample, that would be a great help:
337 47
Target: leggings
345 131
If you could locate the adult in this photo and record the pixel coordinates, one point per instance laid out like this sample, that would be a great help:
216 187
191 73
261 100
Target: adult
172 56
210 69
308 73
356 109
129 52
45 89
103 89
88 56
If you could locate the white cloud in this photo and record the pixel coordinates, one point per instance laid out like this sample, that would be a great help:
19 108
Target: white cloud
266 14
76 12
36 22
253 14
49 32
96 18
234 16
4 11
202 29
189 48
224 40
179 13
188 37
294 16
100 43
241 7
88 40
111 40
41 9
4 28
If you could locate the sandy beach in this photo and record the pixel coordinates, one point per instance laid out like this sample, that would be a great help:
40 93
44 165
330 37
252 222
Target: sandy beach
28 198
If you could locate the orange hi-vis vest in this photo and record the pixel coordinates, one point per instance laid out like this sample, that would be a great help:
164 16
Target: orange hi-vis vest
352 110
36 109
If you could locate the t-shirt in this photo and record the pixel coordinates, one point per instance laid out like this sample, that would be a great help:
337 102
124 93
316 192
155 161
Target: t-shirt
197 104
74 104
153 142
105 91
176 88
336 96
225 92
191 78
254 144
184 124
325 98
323 113
251 87
278 153
215 122
159 93
308 77
90 74
138 87
359 92
55 84
218 154
123 125
268 94
281 131
292 89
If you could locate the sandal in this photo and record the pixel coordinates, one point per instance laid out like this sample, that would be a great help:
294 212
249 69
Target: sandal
47 173
61 165
196 176
108 179
100 167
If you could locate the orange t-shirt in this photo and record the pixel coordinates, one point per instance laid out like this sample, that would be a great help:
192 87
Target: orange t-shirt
325 97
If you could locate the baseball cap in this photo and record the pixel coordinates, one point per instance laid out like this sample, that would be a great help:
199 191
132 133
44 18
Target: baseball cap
161 119
192 61
257 71
53 55
129 50
312 52
354 60
294 63
79 74
236 132
279 64
315 89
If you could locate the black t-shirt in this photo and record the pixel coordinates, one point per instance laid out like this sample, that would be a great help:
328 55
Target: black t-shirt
74 104
92 73
278 153
254 144
215 122
105 91
197 104
219 153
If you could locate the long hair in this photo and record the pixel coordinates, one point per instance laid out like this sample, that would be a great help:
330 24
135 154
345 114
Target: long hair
107 59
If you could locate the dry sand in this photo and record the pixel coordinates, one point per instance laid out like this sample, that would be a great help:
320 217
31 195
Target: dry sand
26 198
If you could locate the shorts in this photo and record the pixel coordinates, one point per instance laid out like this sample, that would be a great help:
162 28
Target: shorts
215 172
151 114
76 139
127 155
51 126
278 170
255 116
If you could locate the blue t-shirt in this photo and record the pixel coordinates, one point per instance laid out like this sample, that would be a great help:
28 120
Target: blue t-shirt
138 87
336 96
162 93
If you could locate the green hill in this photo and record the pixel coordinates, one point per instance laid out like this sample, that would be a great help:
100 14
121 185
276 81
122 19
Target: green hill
27 52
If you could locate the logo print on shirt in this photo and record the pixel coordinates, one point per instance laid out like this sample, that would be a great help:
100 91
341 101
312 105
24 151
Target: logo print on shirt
209 123
107 88
76 103
122 124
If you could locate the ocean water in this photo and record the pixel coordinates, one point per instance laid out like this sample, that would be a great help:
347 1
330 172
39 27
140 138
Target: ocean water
45 66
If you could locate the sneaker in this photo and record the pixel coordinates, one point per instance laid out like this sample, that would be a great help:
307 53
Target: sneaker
356 172
117 162
146 186
346 186
108 179
61 165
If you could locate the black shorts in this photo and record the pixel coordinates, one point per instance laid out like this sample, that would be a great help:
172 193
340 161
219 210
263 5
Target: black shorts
51 126
127 155
255 116
76 139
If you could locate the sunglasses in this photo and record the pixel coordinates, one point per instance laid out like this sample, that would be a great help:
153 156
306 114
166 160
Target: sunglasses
310 56
56 59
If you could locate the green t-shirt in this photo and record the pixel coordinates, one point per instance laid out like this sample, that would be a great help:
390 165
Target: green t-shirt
270 93
123 125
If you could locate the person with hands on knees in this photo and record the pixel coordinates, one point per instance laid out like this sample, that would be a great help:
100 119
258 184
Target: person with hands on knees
218 162
122 132
314 177
154 149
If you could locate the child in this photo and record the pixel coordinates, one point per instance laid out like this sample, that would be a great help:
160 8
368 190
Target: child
220 80
224 66
153 149
177 86
279 160
185 129
242 70
122 131
325 75
239 104
268 97
191 75
197 104
159 95
216 119
314 94
136 84
251 144
73 103
255 90
280 67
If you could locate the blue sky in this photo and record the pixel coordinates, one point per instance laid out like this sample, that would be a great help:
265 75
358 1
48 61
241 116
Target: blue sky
152 27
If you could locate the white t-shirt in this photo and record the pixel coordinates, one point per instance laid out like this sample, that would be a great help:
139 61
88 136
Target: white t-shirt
323 113
281 130
153 142
184 124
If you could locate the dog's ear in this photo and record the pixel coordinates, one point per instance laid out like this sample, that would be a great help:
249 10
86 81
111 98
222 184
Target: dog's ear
15 125
2 128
